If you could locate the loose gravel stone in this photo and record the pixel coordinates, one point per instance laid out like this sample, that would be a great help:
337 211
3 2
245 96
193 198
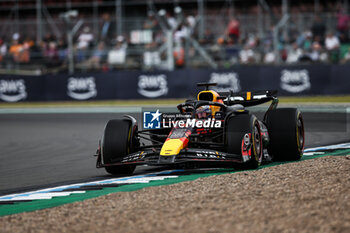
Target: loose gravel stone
309 196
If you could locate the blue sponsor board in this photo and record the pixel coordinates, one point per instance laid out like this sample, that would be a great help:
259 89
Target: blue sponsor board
315 79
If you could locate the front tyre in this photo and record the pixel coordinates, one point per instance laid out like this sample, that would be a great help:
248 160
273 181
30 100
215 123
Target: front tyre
117 142
286 132
244 138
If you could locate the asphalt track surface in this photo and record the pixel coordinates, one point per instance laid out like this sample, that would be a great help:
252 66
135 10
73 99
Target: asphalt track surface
43 150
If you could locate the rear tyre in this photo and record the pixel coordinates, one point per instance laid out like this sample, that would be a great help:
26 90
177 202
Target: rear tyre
117 143
237 127
286 132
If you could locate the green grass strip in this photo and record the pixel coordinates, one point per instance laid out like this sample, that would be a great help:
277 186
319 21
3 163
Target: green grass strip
57 201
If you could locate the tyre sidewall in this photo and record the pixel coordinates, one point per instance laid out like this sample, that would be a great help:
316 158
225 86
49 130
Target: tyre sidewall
237 127
116 141
282 125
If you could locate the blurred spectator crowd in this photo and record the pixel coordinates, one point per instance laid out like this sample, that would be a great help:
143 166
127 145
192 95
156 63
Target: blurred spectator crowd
144 47
314 45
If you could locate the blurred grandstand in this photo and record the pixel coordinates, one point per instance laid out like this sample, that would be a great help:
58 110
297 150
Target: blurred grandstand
56 36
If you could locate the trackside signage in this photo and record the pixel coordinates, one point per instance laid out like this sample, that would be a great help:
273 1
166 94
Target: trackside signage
81 88
225 81
313 79
13 90
157 120
152 86
295 81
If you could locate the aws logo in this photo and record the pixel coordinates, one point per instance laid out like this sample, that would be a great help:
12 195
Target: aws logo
295 81
225 81
13 90
81 88
153 86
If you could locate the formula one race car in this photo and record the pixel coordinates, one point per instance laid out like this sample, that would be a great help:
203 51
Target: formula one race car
216 130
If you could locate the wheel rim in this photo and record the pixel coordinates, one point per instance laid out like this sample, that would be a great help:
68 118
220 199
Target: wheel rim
300 131
257 142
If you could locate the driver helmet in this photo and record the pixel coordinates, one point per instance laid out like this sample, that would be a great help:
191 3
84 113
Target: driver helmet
203 112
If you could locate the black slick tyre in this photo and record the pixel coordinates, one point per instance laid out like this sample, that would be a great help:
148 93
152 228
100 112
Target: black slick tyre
117 143
241 126
286 132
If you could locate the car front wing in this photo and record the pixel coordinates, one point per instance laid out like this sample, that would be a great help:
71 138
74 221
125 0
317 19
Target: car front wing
189 155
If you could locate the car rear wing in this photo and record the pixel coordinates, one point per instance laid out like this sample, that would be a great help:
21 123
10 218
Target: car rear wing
249 98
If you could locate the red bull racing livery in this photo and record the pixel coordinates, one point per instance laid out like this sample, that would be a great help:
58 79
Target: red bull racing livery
214 130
